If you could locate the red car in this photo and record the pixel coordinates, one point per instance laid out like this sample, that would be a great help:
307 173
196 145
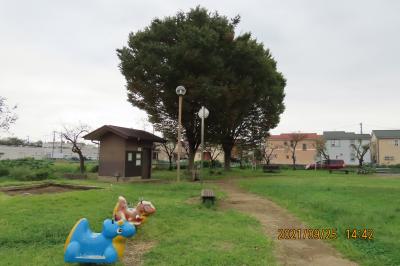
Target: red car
327 164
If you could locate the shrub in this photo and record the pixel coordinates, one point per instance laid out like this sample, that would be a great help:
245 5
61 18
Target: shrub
209 164
95 168
78 169
4 171
26 174
21 173
41 175
30 163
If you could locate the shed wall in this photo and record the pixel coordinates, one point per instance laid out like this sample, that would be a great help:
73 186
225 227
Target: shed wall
112 156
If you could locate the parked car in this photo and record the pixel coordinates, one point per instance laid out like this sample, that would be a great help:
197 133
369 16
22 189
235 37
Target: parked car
327 164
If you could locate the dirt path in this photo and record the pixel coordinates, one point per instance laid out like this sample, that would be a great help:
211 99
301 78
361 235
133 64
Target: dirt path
135 251
272 217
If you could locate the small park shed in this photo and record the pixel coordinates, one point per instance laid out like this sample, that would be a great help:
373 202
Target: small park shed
124 152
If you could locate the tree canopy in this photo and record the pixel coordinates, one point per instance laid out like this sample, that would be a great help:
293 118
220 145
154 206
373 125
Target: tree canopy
7 114
235 77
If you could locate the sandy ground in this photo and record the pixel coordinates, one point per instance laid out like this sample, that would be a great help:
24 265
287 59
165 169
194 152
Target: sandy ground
135 250
43 189
272 217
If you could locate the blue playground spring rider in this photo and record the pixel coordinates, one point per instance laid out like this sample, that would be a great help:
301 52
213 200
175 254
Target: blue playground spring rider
84 246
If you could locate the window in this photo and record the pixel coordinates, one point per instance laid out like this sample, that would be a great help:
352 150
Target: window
155 155
285 143
130 156
287 156
291 143
352 157
396 142
352 141
335 143
304 146
138 159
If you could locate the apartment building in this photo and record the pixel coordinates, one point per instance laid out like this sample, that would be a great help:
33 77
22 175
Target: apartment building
385 147
339 146
283 144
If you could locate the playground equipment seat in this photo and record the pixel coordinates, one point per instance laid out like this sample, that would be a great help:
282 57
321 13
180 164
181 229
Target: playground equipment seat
84 246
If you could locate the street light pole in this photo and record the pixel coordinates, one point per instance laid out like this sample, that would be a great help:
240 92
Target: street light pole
180 90
203 114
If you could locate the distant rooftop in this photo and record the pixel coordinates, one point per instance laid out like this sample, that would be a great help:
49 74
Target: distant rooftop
344 135
288 136
386 134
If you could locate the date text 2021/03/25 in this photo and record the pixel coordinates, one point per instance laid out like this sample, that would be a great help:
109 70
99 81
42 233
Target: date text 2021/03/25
324 233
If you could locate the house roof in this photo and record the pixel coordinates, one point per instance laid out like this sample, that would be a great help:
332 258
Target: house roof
124 132
387 134
288 136
345 135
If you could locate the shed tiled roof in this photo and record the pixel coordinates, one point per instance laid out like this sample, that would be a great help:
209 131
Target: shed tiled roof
124 132
345 135
386 134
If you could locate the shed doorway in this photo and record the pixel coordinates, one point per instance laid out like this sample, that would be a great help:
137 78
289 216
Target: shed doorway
133 163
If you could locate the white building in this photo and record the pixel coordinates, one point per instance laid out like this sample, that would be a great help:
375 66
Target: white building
338 146
49 150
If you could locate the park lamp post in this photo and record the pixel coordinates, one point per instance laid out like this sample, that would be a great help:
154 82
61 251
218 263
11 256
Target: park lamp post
203 114
180 90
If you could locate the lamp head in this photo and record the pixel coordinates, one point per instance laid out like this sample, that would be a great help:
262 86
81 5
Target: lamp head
180 90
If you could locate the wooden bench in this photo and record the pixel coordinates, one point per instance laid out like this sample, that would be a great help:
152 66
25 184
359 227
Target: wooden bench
269 168
207 194
346 171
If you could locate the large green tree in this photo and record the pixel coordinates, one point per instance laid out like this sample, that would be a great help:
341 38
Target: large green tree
235 77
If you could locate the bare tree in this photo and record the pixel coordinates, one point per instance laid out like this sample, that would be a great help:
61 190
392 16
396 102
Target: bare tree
360 150
215 151
186 147
169 148
321 148
73 135
7 115
295 138
267 152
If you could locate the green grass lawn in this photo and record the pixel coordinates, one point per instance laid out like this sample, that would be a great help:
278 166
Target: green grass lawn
34 228
324 200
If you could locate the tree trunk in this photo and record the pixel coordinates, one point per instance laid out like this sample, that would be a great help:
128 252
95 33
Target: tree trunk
294 161
191 160
170 162
227 147
81 162
360 163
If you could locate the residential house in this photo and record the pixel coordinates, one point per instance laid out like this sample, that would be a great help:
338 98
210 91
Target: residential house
339 146
385 146
305 150
215 152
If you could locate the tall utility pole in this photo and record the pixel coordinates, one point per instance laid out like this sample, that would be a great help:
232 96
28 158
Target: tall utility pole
61 143
52 148
361 128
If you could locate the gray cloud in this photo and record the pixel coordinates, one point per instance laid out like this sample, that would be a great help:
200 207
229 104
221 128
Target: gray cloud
341 59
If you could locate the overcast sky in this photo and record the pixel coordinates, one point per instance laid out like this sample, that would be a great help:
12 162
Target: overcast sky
341 60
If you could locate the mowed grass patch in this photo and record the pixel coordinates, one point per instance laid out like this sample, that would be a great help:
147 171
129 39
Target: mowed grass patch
324 200
34 228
